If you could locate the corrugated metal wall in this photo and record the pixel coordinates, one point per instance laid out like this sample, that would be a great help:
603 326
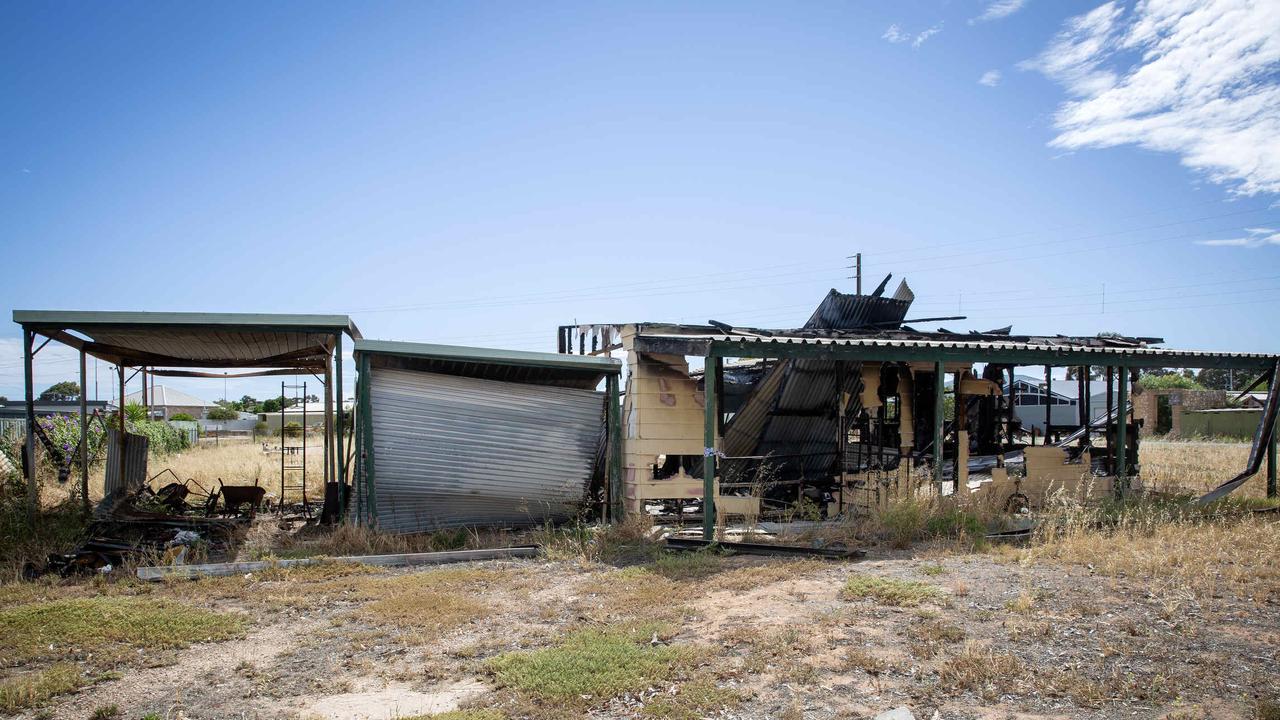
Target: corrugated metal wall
454 451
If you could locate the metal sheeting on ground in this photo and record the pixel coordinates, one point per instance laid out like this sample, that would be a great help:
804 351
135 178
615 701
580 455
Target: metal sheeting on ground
458 452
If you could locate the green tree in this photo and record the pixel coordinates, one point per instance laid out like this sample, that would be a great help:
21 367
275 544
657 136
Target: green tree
1096 372
1169 381
65 390
222 413
272 405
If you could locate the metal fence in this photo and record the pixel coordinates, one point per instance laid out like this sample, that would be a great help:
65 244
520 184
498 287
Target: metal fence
13 428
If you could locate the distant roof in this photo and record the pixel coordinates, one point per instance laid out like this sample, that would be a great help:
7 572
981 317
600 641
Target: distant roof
164 396
512 365
164 339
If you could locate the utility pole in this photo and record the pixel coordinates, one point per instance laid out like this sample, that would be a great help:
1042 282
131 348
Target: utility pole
856 267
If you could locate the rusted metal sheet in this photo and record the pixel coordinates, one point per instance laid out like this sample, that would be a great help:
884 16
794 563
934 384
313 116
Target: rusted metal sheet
135 466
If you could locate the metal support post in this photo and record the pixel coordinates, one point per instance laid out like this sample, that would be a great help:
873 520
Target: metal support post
84 437
123 429
1272 490
370 477
613 437
339 425
939 390
33 499
1048 402
961 419
1111 406
1122 431
710 391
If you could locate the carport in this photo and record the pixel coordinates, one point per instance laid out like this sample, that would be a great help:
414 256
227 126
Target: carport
180 345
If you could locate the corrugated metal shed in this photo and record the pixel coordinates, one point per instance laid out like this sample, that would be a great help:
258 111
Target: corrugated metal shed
459 436
457 452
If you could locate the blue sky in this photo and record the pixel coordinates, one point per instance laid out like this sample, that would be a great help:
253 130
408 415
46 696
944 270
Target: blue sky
478 173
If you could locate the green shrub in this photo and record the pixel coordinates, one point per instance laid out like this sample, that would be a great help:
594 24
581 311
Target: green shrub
293 429
164 439
956 523
588 666
903 522
64 432
182 417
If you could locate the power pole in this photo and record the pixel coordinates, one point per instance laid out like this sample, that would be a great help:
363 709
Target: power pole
856 267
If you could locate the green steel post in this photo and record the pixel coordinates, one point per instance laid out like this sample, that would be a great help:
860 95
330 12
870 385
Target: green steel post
357 446
615 449
1122 431
28 340
370 474
710 390
938 408
1271 461
84 437
338 428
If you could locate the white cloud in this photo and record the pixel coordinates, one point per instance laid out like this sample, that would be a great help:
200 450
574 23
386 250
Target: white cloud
1198 79
1253 238
895 35
925 35
990 78
999 9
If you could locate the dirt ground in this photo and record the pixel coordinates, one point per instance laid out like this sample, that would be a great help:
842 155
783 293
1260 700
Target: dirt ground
1153 619
1044 640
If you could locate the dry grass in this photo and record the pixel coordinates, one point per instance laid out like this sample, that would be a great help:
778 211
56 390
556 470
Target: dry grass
107 627
36 688
982 670
751 577
235 462
1196 466
630 595
890 591
428 604
1172 551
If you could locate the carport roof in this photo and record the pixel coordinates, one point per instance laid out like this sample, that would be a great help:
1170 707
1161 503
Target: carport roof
214 340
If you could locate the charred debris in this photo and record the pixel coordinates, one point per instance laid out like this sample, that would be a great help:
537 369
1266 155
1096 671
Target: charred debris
858 407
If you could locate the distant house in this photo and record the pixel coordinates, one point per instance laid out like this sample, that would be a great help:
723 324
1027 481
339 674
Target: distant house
17 409
294 414
166 402
1031 398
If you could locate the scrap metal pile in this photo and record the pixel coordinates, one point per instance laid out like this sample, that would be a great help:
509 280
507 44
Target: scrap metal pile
155 527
